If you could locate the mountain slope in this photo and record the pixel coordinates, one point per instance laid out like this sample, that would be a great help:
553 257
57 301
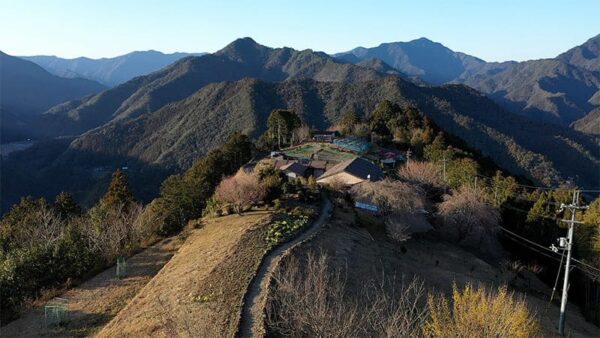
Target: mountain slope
428 60
108 71
559 91
586 56
180 132
242 58
28 90
590 123
546 90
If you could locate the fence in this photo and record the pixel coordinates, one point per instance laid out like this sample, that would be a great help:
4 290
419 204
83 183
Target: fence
56 312
121 267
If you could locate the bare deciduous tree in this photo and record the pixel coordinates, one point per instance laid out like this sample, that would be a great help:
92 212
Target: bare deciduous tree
468 218
400 204
426 174
302 133
313 301
49 227
113 232
240 191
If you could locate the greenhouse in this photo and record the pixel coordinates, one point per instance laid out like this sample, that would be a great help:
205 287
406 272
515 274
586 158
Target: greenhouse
355 144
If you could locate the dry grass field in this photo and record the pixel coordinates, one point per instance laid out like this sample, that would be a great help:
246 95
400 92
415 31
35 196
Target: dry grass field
95 302
199 292
365 253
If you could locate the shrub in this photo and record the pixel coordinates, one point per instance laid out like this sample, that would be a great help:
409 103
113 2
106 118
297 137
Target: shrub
183 197
313 301
477 312
399 203
240 191
425 174
467 218
280 230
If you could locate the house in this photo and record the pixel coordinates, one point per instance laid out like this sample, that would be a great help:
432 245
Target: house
390 157
352 171
324 135
316 168
294 169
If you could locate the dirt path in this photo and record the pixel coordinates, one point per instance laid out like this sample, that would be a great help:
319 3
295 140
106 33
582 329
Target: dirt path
199 292
251 321
95 302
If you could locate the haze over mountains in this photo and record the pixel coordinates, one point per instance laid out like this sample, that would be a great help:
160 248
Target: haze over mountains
108 71
560 90
163 121
27 90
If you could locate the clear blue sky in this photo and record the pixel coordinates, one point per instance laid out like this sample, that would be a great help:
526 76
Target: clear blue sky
495 30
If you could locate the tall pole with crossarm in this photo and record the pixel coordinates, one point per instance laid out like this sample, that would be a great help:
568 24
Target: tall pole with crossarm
573 207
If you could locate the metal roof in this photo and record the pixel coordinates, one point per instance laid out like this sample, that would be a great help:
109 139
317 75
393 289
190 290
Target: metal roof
357 167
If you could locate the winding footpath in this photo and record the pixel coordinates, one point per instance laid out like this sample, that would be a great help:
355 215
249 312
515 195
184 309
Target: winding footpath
251 321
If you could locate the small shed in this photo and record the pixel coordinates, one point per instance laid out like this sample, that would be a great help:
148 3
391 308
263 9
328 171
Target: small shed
324 135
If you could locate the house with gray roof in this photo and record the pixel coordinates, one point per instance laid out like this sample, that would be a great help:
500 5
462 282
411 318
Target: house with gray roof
352 171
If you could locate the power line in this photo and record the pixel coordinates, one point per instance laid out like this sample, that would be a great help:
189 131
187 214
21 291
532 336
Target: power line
550 250
546 188
567 244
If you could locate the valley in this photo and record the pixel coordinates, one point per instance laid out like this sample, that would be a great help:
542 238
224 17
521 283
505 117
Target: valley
319 169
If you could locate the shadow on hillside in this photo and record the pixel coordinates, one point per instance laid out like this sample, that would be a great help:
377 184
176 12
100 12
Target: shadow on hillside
50 167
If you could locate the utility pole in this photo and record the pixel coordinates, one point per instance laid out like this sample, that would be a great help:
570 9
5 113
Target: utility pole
408 153
567 244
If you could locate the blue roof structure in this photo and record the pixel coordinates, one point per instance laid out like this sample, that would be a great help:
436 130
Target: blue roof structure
353 143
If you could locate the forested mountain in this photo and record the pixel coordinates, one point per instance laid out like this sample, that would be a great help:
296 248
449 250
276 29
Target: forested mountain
242 58
162 122
108 71
559 91
423 58
177 133
28 90
546 90
590 123
586 56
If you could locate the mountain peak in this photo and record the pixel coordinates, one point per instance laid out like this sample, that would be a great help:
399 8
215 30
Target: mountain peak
243 49
424 40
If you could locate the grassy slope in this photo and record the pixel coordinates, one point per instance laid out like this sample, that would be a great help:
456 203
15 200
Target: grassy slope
95 302
366 253
200 291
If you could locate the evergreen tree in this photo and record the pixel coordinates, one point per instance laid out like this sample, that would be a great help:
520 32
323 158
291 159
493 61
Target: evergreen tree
462 171
436 151
381 116
281 125
348 122
118 194
65 205
503 188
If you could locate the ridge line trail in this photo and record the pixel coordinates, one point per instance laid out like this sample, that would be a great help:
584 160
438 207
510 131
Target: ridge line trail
255 297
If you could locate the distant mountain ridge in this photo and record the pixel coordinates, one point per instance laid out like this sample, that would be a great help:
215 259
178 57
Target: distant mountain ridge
586 56
176 134
428 60
109 71
559 91
163 121
242 58
27 90
170 117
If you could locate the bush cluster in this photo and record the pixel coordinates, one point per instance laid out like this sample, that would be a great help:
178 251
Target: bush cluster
44 245
183 197
281 230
